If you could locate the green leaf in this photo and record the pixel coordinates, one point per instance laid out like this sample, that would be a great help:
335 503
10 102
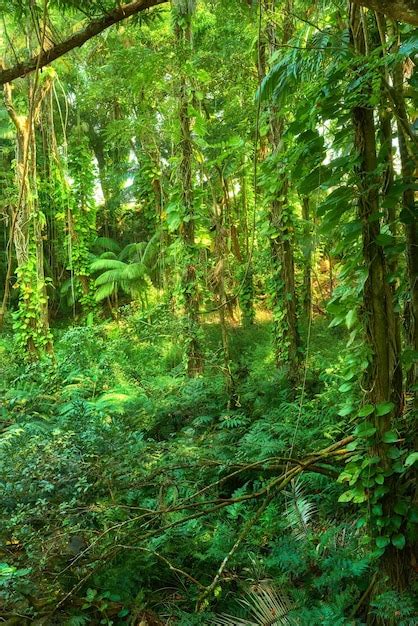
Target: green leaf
389 437
360 497
377 510
352 445
91 594
313 180
380 491
347 496
351 318
411 459
398 541
366 410
394 453
366 429
401 507
383 408
382 542
346 409
384 239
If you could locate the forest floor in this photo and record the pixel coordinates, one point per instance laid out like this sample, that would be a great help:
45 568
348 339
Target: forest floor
110 453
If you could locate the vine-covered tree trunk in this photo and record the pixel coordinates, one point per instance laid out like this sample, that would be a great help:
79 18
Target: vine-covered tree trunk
245 274
307 270
189 286
81 221
386 158
31 319
382 381
218 281
286 331
409 165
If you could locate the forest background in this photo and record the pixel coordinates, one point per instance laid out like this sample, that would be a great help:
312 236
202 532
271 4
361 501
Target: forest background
209 315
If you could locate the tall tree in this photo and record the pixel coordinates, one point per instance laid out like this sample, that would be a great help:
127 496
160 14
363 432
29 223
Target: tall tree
183 11
286 331
31 323
382 383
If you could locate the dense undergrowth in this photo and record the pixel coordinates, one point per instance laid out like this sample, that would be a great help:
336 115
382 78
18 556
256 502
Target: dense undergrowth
113 466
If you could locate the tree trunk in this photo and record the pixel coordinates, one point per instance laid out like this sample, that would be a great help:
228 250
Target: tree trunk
221 253
286 331
382 380
32 316
307 270
386 156
409 165
189 279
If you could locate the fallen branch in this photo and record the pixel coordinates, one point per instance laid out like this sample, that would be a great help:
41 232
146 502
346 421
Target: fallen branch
336 451
162 558
241 537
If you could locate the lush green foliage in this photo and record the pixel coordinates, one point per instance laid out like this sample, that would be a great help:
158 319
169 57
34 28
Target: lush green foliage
116 429
209 321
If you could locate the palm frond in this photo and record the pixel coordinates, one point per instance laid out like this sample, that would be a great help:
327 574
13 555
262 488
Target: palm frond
107 255
265 606
104 291
299 510
133 249
107 264
106 243
133 271
111 276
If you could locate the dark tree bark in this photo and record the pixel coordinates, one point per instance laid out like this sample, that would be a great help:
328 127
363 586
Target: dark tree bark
399 10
